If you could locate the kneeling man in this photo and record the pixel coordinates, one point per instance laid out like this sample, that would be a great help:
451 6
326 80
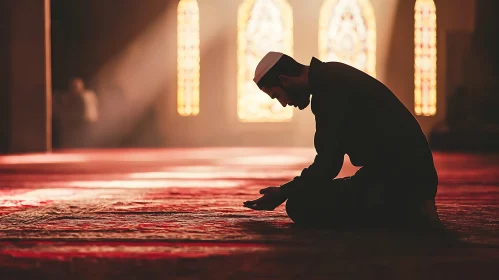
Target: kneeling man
356 115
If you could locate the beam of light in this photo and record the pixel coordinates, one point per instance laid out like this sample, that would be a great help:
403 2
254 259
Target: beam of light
347 34
425 55
188 58
268 160
40 197
126 250
263 26
239 155
42 158
157 184
56 191
130 82
149 182
228 174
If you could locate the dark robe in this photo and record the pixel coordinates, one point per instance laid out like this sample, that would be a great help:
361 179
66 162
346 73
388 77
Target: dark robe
359 116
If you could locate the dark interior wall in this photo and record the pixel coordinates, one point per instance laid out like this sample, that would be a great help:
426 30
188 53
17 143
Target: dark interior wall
24 76
4 75
487 20
487 30
87 34
452 16
481 75
30 76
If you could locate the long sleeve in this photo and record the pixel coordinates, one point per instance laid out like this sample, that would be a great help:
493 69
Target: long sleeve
329 159
329 105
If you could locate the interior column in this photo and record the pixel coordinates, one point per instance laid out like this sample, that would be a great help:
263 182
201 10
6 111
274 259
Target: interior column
31 86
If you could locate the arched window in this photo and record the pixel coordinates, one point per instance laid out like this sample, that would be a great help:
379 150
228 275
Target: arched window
188 58
425 55
263 26
347 33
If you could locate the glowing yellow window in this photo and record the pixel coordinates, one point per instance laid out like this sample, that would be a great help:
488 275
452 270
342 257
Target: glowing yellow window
188 58
425 55
263 26
347 34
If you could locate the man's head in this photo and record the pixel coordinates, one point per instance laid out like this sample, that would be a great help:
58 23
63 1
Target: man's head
76 85
284 79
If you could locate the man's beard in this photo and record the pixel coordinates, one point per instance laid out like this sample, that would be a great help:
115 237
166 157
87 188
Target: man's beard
298 98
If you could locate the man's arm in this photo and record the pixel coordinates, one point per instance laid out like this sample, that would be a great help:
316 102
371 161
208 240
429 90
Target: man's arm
329 106
329 159
326 166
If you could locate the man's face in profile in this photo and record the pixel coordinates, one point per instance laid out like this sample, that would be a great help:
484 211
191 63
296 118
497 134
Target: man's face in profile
77 85
289 93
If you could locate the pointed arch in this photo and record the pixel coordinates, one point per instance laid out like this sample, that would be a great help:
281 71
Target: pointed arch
188 58
347 33
263 26
425 55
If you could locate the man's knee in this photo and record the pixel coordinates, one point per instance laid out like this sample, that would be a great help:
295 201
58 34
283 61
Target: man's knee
292 208
298 211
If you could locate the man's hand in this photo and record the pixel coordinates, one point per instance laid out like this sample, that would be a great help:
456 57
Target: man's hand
272 197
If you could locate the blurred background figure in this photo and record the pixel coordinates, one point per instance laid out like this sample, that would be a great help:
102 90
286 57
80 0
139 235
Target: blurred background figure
88 98
78 111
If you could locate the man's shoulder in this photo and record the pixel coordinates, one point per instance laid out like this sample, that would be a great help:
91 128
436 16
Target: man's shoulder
89 92
337 74
336 65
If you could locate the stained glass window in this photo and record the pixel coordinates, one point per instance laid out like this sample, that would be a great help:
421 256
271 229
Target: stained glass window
425 54
347 33
188 58
263 26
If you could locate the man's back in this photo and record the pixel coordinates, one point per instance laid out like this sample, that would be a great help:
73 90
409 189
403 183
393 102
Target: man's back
377 131
356 115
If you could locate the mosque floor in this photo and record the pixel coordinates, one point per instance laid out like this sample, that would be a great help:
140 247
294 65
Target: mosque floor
177 214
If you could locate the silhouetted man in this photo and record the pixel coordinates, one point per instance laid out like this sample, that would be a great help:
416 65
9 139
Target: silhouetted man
356 115
79 110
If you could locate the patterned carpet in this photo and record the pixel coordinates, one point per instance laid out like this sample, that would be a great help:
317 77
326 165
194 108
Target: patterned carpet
177 213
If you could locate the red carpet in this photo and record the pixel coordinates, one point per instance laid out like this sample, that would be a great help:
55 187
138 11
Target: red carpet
177 213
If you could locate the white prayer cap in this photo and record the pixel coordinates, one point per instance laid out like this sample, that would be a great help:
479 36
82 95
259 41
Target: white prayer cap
267 62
